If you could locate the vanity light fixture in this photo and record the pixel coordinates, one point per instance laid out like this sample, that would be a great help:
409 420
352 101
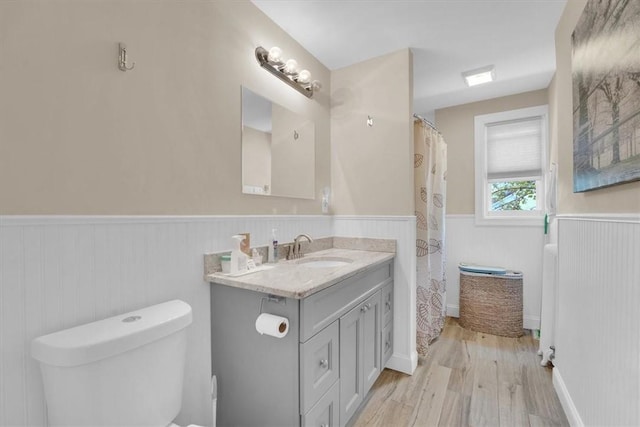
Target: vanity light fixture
287 71
479 75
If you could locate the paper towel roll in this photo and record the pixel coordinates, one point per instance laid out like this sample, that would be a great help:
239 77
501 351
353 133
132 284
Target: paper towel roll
270 324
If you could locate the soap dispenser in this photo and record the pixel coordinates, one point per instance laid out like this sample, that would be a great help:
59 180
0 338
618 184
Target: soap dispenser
238 258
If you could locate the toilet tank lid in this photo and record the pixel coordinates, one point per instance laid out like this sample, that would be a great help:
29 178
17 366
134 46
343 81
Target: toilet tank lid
108 337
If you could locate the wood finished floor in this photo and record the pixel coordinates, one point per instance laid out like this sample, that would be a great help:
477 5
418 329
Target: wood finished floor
467 378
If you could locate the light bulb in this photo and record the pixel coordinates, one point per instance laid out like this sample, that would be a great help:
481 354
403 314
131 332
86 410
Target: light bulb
275 54
304 76
291 66
316 85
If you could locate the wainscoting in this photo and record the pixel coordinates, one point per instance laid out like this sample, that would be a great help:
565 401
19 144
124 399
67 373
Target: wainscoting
597 374
516 248
58 272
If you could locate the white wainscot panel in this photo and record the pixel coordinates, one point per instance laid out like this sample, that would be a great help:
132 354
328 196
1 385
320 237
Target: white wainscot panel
597 339
59 272
514 248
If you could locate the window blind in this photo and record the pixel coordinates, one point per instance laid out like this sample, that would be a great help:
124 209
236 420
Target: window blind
514 149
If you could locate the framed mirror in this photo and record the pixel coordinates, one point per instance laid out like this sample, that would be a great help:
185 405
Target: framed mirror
278 149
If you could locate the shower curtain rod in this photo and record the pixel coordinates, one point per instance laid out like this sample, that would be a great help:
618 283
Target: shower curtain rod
427 122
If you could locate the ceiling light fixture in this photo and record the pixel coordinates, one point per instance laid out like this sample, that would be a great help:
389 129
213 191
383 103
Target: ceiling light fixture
479 75
287 71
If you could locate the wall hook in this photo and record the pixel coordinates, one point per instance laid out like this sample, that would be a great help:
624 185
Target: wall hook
122 58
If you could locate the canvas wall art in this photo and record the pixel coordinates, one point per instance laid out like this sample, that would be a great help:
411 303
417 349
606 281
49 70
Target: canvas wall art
606 94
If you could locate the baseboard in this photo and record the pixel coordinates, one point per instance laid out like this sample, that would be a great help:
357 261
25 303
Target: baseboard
569 408
402 363
453 310
531 322
528 322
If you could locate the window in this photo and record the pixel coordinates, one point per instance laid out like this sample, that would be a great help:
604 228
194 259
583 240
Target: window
509 160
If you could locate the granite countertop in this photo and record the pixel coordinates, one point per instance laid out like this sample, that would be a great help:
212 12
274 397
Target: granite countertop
292 279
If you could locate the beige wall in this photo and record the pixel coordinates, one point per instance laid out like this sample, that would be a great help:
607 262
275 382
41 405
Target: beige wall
372 167
457 126
624 198
78 136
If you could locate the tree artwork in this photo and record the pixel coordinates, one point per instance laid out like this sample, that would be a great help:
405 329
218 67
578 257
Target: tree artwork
606 94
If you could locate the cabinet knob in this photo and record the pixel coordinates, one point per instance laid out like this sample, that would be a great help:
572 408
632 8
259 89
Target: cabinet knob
324 425
364 309
324 363
388 304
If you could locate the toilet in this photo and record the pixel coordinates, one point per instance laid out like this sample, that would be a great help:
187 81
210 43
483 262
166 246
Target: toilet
126 370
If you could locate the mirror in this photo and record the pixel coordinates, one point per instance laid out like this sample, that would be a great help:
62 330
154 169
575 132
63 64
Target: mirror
278 149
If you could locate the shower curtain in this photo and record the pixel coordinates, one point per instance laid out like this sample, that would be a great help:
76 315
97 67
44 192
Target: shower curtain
430 172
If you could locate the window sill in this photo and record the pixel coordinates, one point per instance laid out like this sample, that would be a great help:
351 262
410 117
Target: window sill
510 221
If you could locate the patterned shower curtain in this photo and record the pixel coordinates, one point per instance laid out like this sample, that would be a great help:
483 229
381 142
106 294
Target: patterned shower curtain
430 173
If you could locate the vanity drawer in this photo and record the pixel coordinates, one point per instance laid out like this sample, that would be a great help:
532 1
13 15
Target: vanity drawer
319 366
387 343
387 303
322 308
326 412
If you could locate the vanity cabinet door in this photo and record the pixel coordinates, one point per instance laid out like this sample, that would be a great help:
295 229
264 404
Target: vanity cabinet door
371 333
387 342
350 363
319 366
387 304
387 323
359 354
325 413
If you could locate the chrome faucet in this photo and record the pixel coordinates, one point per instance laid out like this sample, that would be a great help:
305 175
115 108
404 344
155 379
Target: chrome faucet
295 249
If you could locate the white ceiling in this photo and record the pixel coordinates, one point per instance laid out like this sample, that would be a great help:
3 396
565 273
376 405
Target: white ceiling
447 37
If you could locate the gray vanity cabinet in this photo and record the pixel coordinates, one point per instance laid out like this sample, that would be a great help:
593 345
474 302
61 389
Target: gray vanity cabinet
319 366
359 354
320 372
371 335
387 323
325 413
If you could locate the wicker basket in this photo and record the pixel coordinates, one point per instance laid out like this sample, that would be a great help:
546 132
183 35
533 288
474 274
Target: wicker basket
491 303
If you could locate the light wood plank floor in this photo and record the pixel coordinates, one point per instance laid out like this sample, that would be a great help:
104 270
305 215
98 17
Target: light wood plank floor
467 378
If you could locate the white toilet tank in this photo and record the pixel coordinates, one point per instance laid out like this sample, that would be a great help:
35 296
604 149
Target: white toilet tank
126 370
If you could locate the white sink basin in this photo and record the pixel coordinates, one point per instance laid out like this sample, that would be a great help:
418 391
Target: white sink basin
326 262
